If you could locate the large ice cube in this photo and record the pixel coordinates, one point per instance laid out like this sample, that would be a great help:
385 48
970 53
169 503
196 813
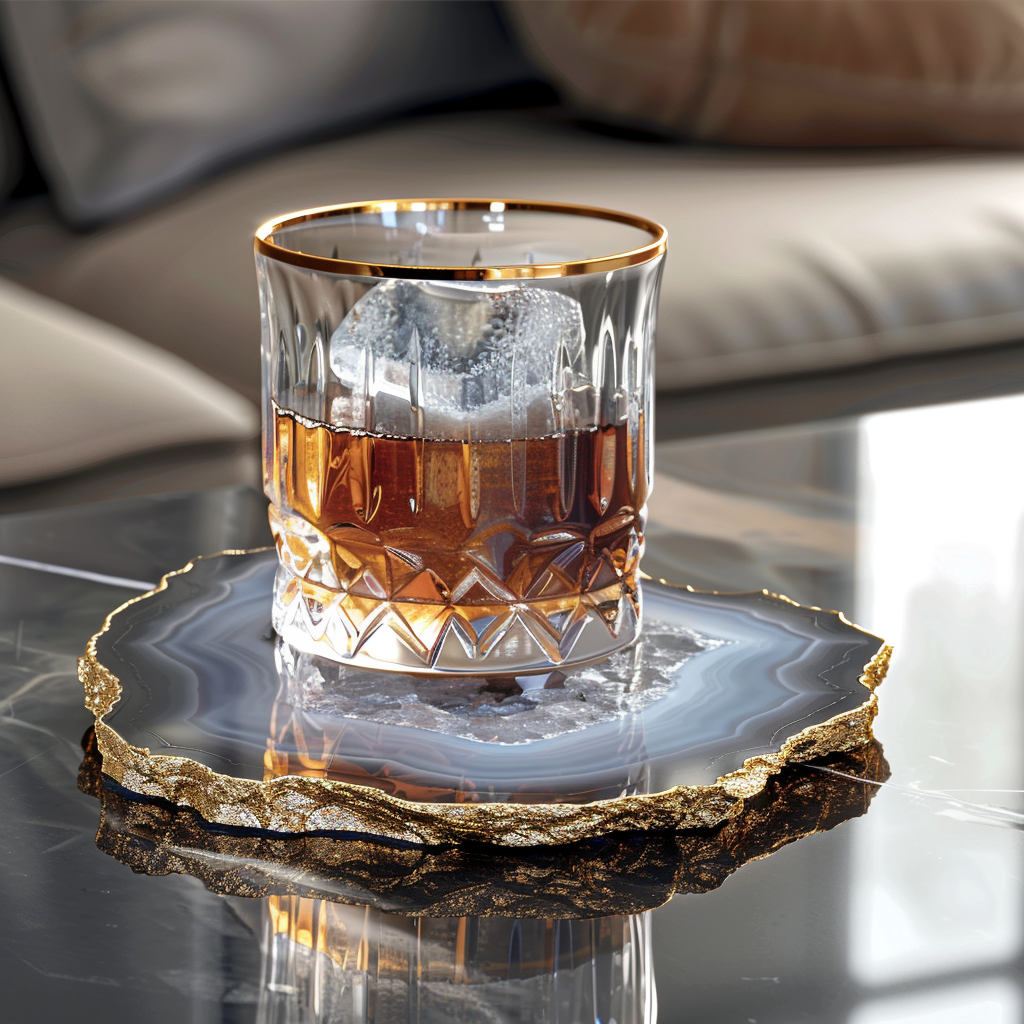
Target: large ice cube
453 360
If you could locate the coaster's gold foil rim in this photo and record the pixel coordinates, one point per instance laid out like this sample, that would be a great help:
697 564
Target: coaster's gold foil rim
597 878
293 803
569 268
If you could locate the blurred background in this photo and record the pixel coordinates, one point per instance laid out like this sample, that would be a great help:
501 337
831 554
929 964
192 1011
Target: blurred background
843 184
841 180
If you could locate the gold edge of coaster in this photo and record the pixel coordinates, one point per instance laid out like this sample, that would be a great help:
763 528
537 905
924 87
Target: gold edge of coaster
597 878
293 804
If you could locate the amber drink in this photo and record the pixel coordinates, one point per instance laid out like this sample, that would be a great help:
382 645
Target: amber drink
458 466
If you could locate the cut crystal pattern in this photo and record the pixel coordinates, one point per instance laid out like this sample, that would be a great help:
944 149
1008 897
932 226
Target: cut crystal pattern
392 556
542 619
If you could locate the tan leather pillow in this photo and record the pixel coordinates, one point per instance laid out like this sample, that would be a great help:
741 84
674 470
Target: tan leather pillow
791 72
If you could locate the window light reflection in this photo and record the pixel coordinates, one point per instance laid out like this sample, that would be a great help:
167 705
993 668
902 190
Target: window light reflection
992 1002
941 510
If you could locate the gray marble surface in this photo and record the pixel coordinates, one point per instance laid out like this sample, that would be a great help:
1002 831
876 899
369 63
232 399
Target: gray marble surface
910 521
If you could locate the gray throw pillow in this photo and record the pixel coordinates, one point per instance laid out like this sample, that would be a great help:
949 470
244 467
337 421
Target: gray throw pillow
109 394
125 102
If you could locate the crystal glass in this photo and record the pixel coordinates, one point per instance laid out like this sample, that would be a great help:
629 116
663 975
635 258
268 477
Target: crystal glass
457 430
327 963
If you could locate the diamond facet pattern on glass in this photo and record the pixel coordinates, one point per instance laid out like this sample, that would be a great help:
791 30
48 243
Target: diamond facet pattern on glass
557 599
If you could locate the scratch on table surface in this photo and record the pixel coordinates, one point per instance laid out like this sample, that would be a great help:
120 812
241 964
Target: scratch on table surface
93 979
28 687
962 810
32 727
27 760
81 574
982 789
62 844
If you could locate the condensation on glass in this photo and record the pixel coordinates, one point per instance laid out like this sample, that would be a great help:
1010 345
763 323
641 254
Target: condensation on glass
457 430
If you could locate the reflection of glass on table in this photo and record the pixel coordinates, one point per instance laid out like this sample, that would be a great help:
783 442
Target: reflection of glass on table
326 963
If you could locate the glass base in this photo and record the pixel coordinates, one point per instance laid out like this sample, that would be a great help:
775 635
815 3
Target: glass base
481 639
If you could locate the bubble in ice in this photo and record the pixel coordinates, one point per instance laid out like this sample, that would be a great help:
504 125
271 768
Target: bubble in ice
457 359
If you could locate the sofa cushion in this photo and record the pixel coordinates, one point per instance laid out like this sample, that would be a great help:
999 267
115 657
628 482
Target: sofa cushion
128 102
791 72
779 262
76 392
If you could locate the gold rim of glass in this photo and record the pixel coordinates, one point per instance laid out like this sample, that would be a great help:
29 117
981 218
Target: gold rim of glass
569 268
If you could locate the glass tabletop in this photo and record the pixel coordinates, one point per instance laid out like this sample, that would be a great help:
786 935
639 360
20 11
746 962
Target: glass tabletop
910 521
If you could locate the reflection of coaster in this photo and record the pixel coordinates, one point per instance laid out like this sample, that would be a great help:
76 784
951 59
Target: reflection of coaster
191 706
623 873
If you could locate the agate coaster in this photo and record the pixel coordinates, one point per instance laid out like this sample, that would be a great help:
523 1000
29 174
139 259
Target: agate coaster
197 703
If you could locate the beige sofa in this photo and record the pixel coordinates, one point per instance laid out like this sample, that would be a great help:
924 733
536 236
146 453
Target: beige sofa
780 262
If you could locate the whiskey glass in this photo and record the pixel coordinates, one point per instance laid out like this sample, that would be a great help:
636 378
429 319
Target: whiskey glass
457 420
